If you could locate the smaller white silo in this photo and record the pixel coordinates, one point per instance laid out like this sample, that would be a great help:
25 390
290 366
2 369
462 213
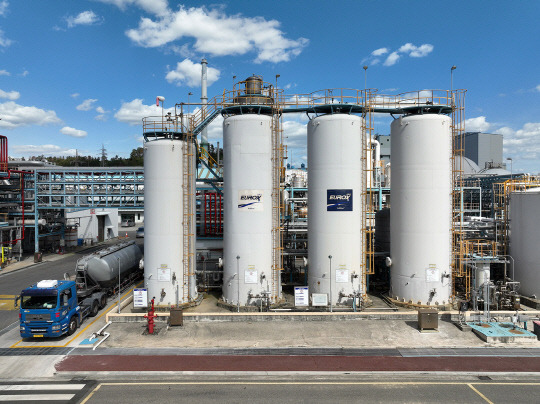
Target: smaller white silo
247 209
420 223
335 198
163 224
524 235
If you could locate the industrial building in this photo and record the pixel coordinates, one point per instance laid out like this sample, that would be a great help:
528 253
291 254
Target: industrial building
431 232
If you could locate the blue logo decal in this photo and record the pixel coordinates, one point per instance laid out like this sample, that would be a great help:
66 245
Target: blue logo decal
339 200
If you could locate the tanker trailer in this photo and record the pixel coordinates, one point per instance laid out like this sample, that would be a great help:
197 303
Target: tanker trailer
51 308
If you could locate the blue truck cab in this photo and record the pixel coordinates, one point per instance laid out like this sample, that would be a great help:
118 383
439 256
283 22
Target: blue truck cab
50 308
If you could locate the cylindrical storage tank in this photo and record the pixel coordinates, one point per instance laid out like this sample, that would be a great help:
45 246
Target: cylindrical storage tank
335 145
482 274
107 265
247 209
420 224
524 235
163 224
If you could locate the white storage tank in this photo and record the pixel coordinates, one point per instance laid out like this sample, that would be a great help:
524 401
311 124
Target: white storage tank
524 235
335 145
420 223
163 227
247 209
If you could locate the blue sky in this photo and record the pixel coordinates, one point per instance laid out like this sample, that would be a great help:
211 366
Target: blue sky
79 74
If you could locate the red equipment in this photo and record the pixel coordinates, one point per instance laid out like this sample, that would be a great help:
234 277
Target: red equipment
150 316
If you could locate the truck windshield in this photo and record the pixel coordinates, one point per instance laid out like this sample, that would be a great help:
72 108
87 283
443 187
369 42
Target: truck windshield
39 302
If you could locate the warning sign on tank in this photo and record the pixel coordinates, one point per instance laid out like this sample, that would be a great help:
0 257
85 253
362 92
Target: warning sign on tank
339 200
250 200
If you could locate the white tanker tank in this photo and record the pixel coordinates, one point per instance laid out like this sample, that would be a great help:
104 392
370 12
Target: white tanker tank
104 266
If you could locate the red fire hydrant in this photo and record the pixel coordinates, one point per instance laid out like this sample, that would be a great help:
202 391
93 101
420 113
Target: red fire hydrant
150 316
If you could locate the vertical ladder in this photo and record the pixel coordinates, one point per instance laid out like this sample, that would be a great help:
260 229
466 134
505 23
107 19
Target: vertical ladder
188 193
457 258
367 211
277 172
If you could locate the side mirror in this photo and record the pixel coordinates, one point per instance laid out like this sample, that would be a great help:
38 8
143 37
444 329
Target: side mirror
17 301
65 300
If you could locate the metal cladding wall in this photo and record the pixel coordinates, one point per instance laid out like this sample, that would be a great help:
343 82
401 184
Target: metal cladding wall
524 232
335 205
247 208
420 223
163 206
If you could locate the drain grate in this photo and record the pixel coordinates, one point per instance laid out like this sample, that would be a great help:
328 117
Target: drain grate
484 378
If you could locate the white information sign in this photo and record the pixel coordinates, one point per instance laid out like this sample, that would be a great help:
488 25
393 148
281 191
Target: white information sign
432 274
140 298
250 199
319 299
342 275
250 275
164 274
301 296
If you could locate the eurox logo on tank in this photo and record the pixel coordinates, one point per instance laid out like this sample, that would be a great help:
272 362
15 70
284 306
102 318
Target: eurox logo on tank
250 199
339 200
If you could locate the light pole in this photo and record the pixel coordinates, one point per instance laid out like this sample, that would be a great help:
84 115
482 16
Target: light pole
118 258
238 280
330 258
159 99
511 168
454 67
365 77
189 106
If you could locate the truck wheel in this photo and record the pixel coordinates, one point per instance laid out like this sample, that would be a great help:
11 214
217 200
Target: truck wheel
103 301
73 325
95 308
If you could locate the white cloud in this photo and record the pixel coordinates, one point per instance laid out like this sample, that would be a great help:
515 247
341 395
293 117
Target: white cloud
4 73
66 130
408 49
84 18
391 59
379 52
15 115
38 150
25 73
218 34
74 95
189 73
157 7
134 111
100 110
538 88
12 95
478 124
295 137
3 7
4 42
86 105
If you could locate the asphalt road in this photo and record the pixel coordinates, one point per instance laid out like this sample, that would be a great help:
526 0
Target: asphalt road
385 389
11 283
